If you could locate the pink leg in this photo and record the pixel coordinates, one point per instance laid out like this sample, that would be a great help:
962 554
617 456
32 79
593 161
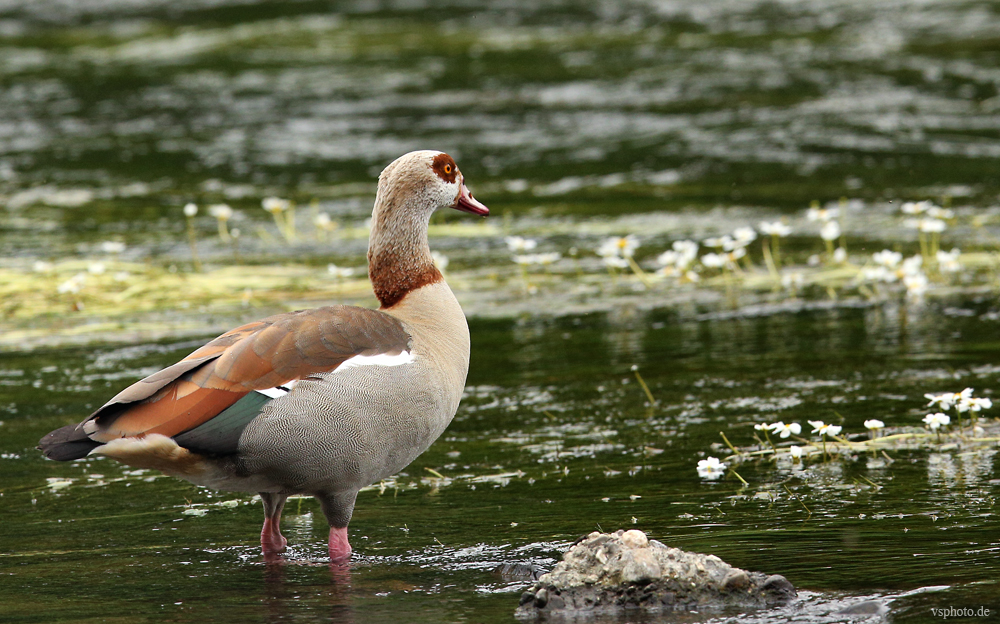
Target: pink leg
272 541
340 548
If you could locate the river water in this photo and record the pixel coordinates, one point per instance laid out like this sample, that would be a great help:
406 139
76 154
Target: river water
571 120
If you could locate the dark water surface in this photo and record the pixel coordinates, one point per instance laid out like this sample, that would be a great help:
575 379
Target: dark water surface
552 441
113 113
563 115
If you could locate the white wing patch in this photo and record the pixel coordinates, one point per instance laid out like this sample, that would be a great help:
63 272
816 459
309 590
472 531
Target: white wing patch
279 391
382 359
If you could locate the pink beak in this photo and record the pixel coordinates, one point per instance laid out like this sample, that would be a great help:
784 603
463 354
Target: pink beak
467 203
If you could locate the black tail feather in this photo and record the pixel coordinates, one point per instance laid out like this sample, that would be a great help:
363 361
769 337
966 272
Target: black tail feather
67 443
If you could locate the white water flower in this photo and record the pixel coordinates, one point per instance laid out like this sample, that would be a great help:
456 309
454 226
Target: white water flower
793 281
877 274
936 421
822 214
668 271
887 258
744 235
190 210
964 402
323 221
824 429
795 451
916 285
222 212
339 272
714 260
977 404
41 266
619 246
96 268
840 255
686 249
912 265
112 247
943 400
830 231
72 285
668 258
947 400
762 427
719 242
915 208
874 424
275 205
958 398
932 225
540 258
784 430
679 258
774 228
520 244
615 261
937 212
948 261
711 468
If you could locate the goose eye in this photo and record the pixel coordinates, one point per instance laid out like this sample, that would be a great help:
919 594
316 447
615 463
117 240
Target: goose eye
447 169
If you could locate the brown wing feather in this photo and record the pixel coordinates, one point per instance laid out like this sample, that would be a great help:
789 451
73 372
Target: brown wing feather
145 388
256 356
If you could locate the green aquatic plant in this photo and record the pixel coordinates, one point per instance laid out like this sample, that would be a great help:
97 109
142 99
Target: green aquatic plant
645 388
771 245
724 265
931 437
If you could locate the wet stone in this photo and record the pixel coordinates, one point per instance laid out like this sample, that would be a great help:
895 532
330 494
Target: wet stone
617 572
634 539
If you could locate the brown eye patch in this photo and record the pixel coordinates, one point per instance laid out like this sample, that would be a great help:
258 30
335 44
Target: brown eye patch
445 168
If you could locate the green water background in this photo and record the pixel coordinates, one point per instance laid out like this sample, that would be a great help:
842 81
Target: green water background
561 112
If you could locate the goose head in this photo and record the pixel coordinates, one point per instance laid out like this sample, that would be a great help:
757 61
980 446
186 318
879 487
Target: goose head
410 189
421 182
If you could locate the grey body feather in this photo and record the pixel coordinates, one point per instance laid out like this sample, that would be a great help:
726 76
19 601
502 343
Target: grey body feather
338 432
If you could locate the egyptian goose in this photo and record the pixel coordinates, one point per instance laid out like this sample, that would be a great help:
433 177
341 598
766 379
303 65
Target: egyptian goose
321 402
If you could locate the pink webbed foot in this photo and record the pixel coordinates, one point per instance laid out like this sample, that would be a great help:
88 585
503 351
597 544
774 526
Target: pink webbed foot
340 548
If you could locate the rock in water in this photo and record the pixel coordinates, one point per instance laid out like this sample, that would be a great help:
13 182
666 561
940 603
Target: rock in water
613 572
